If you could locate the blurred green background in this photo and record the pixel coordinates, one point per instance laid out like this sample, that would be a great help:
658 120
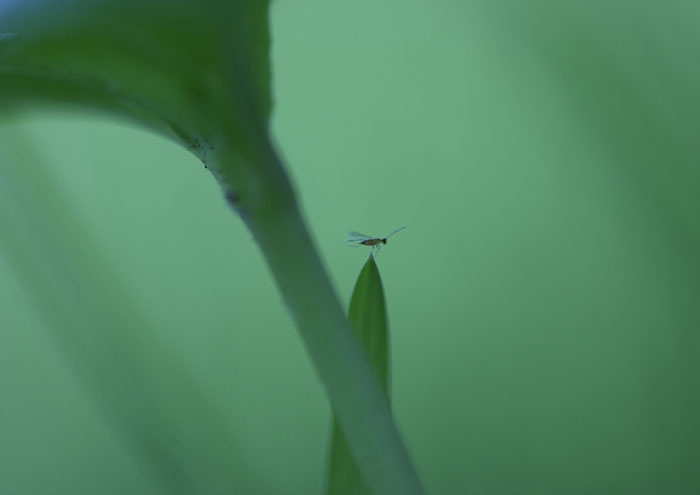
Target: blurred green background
543 299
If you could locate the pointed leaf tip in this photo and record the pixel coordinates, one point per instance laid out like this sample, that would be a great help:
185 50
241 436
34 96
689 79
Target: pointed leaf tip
367 315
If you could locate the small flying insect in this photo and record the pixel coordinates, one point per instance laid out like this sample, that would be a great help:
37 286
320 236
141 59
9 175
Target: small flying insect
366 240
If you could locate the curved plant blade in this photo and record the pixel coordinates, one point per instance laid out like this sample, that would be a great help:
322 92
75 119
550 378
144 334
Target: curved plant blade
367 316
199 71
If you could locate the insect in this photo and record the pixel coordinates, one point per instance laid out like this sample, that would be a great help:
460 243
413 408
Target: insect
366 240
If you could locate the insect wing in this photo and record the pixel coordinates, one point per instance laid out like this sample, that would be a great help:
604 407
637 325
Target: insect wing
357 237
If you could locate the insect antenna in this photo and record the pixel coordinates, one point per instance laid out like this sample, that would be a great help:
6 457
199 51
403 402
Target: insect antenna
394 232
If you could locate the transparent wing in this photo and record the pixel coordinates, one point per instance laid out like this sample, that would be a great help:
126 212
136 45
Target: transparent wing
357 237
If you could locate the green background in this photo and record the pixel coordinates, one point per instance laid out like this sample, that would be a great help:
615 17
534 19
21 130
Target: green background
543 298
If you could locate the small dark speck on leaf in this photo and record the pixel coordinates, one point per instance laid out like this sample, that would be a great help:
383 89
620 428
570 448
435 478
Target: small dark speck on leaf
195 144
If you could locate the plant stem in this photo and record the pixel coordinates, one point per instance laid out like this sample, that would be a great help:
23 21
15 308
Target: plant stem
356 398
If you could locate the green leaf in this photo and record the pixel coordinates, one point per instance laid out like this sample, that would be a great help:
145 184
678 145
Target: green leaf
196 71
367 316
199 72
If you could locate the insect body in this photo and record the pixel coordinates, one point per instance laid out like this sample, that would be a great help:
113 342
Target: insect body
366 240
373 242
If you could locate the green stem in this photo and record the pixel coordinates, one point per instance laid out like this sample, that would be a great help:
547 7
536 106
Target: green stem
355 395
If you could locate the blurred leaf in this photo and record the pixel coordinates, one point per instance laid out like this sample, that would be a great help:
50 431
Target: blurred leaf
367 316
142 387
